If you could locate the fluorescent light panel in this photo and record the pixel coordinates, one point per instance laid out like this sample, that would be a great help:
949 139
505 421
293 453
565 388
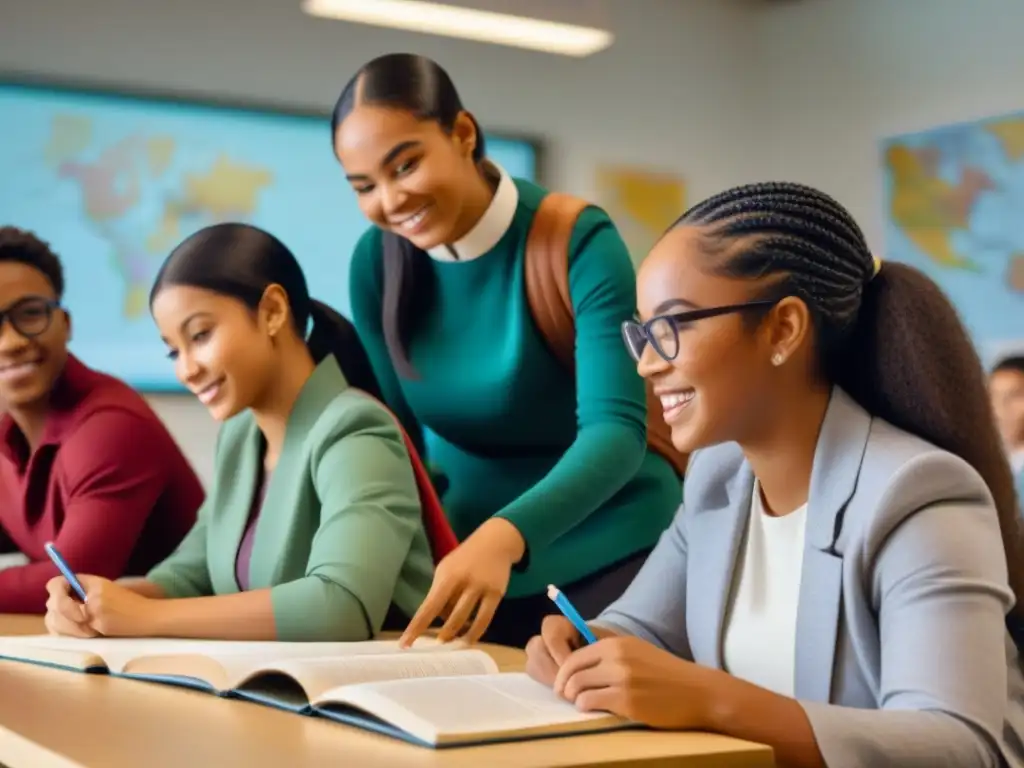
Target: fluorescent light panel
466 23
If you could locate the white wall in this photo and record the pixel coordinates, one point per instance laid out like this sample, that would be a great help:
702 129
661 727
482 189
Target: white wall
673 93
839 75
722 91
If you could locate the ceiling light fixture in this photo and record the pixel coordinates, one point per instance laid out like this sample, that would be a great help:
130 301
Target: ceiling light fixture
466 23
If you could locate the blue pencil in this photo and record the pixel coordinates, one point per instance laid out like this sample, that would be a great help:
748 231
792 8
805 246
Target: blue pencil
569 611
62 566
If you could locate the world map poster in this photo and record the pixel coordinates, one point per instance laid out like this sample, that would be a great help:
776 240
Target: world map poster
954 203
115 182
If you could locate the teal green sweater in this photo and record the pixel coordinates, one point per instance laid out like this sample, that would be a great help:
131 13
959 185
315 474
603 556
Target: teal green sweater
340 536
567 463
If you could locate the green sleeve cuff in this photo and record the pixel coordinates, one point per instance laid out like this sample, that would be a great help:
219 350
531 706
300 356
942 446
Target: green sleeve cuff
312 609
172 585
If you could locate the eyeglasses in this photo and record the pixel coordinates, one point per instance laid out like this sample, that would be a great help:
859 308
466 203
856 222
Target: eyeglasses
662 332
30 316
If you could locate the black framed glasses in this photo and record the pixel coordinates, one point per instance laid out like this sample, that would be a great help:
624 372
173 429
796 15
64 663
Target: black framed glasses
662 332
30 316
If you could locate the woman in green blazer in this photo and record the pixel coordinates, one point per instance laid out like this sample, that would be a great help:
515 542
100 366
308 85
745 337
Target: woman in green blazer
312 529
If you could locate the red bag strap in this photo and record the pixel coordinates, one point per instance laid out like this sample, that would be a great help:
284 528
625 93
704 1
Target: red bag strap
440 535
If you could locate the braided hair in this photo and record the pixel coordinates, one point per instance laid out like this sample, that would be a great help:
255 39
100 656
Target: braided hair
886 334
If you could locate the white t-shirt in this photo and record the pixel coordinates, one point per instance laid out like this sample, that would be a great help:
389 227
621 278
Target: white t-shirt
12 560
759 642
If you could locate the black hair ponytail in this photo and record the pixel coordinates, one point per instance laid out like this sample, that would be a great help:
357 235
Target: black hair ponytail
911 361
332 334
242 261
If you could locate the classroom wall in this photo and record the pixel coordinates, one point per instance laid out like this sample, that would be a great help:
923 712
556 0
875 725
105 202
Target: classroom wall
838 75
673 92
722 91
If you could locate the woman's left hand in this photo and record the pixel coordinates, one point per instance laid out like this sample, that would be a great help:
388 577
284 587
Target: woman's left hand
114 611
469 584
634 679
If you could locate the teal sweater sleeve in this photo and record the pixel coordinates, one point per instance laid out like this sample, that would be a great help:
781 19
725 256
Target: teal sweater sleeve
611 439
366 289
369 516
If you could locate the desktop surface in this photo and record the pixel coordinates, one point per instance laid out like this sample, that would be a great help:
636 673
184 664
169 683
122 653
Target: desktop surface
52 718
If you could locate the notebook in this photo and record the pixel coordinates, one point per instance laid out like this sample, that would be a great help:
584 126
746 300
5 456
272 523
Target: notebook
435 695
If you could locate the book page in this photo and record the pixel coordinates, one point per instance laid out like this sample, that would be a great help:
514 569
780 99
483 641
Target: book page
474 708
59 655
317 676
131 655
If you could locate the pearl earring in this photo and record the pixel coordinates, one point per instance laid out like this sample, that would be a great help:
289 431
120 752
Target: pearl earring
777 358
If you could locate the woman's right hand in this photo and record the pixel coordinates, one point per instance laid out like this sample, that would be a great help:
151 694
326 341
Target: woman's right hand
64 614
546 652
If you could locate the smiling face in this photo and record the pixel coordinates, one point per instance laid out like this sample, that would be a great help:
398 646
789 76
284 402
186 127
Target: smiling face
409 175
722 383
221 351
29 365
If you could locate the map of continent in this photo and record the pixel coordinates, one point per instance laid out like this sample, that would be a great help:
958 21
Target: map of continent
143 195
642 204
115 181
954 202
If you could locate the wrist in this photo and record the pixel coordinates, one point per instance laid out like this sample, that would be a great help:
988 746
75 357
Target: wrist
505 538
156 617
722 695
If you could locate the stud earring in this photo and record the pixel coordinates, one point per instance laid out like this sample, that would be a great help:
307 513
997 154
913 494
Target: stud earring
777 359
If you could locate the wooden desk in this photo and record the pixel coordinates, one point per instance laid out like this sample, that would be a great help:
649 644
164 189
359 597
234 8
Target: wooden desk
55 719
11 624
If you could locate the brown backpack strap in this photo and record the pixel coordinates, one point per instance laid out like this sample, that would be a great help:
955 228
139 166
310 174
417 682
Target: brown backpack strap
547 273
547 293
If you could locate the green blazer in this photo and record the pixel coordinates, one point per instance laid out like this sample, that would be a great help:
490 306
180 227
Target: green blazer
340 536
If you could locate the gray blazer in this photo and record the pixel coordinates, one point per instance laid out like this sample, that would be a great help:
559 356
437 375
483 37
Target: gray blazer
903 658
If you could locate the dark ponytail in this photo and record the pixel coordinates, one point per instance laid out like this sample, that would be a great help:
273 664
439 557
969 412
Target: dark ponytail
242 261
910 361
332 334
408 290
421 86
889 336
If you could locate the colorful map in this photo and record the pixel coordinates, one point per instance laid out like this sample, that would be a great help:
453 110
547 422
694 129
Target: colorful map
141 201
114 183
955 208
641 203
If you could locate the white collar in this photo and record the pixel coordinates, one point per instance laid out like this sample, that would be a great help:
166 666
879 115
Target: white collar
491 227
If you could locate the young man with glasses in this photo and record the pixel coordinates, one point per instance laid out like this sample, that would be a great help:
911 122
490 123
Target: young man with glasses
84 462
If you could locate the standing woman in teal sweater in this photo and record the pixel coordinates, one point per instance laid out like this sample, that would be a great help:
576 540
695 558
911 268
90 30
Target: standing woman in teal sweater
547 478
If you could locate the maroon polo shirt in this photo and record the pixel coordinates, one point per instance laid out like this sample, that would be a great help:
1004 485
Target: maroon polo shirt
107 485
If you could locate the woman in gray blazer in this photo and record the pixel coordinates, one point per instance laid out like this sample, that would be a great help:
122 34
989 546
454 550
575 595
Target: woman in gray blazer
840 579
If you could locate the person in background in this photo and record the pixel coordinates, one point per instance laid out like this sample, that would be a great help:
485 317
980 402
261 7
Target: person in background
84 461
1006 389
546 477
838 581
312 529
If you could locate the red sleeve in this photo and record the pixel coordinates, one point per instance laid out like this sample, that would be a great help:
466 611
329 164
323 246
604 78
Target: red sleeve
113 469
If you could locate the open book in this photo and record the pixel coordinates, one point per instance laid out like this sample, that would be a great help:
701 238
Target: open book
432 694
